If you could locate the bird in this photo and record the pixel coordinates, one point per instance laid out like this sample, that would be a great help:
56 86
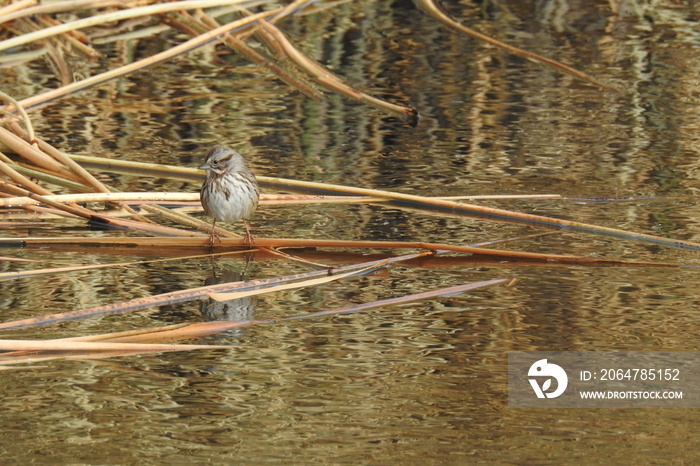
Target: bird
230 191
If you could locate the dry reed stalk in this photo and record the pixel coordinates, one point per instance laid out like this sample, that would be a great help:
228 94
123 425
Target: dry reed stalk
96 20
83 175
136 197
34 155
14 7
272 243
63 345
22 113
333 82
242 48
76 39
90 215
139 65
21 180
60 7
192 198
406 200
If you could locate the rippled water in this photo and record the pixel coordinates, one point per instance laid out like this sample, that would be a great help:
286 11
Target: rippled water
416 383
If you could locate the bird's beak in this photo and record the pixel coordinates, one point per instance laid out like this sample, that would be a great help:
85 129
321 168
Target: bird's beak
203 166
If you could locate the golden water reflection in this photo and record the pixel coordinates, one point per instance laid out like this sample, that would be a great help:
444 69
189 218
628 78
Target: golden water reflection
422 382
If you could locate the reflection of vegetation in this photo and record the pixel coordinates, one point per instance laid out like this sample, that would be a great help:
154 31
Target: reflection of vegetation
142 341
142 21
72 46
431 9
668 179
662 223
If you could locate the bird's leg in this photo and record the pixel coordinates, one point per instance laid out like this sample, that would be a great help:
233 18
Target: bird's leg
248 238
213 234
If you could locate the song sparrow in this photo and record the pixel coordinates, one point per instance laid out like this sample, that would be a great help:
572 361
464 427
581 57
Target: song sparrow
230 191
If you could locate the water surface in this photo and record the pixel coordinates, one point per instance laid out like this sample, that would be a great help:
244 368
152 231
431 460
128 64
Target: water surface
417 383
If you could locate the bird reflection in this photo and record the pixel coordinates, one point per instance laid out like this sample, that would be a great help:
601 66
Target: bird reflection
239 309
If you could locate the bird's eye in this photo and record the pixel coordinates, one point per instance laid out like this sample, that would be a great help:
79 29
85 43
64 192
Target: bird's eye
215 162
